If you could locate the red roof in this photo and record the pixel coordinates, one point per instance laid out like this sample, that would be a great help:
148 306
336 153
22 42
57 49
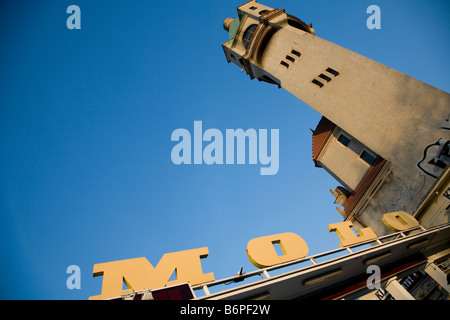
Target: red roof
320 136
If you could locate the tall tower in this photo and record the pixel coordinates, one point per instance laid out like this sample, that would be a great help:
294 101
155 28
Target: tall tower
400 124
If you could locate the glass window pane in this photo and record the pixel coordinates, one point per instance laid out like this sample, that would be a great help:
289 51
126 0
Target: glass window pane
344 140
367 157
248 35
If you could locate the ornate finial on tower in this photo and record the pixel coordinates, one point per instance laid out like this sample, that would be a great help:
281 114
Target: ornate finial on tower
226 23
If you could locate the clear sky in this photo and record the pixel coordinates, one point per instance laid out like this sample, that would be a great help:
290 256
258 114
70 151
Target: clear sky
86 118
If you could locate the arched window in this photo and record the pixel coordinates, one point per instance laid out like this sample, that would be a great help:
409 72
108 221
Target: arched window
248 35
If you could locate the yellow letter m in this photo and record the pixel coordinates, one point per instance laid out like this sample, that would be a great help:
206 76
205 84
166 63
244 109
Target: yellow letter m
138 274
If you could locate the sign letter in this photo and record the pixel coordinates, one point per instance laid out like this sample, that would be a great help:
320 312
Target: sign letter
348 238
138 274
261 251
399 221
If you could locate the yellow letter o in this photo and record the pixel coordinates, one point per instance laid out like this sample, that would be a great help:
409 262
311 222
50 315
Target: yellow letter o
262 254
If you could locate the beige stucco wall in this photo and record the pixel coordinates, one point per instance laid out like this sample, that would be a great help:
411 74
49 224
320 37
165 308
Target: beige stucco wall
344 161
396 116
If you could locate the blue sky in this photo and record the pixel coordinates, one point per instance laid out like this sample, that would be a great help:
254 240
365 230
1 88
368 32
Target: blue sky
86 118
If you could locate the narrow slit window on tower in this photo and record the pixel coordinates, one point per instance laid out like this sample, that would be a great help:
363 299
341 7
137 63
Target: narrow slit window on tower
317 83
344 140
268 79
333 72
324 77
295 52
290 58
284 64
367 157
253 8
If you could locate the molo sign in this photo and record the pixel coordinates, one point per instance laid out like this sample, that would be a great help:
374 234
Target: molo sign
138 274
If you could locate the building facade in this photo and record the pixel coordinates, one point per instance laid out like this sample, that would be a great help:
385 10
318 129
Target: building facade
384 136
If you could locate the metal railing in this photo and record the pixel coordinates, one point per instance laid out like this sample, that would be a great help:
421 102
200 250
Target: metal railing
264 273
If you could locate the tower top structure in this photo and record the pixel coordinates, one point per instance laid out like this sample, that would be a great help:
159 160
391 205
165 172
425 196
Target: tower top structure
384 128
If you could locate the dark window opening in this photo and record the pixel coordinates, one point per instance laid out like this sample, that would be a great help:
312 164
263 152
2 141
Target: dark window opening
333 72
253 8
441 164
344 191
317 83
268 80
263 12
290 58
248 35
284 64
324 77
298 24
367 157
295 52
344 140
